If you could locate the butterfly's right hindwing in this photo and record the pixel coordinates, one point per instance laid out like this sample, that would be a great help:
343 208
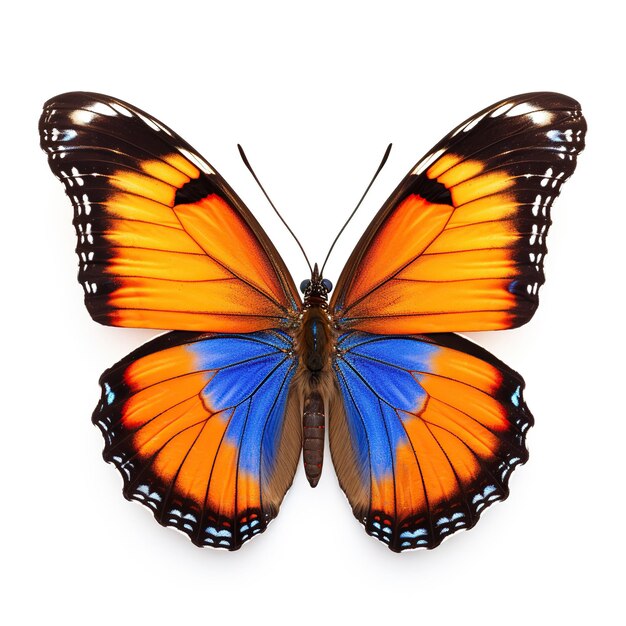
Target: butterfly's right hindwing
427 434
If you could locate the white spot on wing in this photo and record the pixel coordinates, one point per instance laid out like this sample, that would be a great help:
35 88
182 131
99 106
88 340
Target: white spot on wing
102 108
541 118
427 162
473 123
521 109
121 109
197 161
502 109
149 122
82 117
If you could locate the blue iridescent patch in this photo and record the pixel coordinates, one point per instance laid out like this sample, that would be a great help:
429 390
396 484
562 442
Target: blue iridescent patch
375 375
249 374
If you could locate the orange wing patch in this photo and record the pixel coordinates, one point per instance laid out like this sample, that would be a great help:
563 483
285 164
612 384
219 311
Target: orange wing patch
204 245
451 439
430 430
459 246
186 429
163 241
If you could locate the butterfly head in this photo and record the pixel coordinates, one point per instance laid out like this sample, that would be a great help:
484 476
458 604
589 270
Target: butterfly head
316 289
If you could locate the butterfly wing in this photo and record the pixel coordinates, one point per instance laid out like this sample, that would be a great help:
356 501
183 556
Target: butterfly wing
163 241
200 428
427 434
460 244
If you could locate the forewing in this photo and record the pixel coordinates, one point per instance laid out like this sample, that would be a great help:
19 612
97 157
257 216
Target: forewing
427 434
163 241
460 244
200 428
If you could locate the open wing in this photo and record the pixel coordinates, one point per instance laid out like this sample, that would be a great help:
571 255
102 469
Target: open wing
199 426
163 241
460 244
427 434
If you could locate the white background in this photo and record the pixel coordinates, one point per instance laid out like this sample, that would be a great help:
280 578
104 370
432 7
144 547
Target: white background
314 92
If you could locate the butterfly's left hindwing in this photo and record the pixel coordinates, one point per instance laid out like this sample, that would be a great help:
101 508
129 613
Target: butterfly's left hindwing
200 428
428 433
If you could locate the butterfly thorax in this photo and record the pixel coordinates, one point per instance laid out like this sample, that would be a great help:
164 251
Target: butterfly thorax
315 337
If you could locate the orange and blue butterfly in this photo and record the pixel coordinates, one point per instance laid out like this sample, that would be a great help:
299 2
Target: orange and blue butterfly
206 424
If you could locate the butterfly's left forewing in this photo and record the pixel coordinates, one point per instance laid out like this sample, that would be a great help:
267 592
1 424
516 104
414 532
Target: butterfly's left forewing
202 432
163 241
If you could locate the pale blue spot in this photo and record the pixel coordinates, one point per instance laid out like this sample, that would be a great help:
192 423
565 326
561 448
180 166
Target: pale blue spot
419 532
516 396
109 394
218 533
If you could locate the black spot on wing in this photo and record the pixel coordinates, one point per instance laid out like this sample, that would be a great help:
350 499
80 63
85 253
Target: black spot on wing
196 189
434 192
431 190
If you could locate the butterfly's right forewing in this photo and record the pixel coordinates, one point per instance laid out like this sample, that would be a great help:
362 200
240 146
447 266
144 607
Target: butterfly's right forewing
460 245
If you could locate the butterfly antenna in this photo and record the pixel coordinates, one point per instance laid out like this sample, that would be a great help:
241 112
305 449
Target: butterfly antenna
247 164
380 167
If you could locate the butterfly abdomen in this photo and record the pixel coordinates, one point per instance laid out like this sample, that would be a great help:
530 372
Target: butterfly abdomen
313 423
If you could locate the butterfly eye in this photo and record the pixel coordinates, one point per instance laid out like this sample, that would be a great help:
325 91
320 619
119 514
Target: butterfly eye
327 285
304 285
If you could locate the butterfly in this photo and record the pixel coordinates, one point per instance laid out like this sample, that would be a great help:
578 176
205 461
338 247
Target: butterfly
207 423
